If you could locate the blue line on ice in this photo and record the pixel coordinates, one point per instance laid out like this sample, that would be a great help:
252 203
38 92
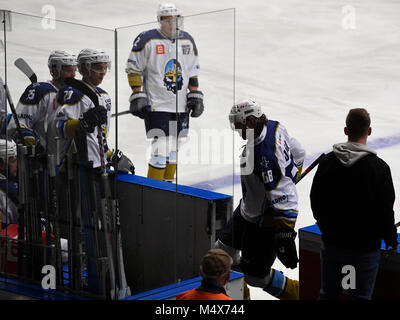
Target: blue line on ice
226 181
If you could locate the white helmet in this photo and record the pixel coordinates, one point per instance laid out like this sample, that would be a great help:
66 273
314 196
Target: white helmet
8 149
59 58
242 110
167 9
89 56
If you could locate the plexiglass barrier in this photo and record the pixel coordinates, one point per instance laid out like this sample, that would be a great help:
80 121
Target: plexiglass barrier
166 227
201 147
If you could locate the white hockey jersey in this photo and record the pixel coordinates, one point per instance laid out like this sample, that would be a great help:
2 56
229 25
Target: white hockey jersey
71 104
8 201
2 97
268 171
166 66
35 110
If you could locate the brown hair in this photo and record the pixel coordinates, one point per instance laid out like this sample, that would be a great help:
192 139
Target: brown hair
358 122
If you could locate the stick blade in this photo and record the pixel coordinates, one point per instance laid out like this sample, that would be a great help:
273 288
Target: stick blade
26 69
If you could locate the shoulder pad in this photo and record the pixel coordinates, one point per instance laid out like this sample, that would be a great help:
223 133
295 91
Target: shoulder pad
68 95
145 37
186 35
36 92
101 91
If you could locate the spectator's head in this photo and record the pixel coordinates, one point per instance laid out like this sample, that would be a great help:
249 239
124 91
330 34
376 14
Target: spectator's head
216 264
358 124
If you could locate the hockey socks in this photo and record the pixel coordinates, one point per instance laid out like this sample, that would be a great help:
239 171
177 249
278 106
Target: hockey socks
169 173
155 173
282 287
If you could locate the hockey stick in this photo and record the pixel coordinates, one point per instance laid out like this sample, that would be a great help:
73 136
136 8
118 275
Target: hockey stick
22 65
120 113
14 114
311 166
124 290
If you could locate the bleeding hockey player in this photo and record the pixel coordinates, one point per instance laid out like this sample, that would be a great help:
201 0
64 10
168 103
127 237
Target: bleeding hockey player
165 103
37 105
262 226
76 111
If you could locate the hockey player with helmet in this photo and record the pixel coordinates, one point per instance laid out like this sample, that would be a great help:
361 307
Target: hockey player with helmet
36 107
262 226
169 77
76 111
8 184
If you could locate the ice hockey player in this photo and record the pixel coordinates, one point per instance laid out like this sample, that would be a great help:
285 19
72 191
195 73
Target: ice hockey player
262 226
165 88
37 105
76 111
4 119
8 183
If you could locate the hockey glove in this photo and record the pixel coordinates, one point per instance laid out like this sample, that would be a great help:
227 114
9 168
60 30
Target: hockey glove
93 118
125 165
286 247
139 105
195 103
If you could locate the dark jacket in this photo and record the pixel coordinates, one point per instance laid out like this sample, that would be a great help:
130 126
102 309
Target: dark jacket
352 198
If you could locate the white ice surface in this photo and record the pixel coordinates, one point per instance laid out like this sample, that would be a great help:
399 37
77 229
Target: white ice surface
297 58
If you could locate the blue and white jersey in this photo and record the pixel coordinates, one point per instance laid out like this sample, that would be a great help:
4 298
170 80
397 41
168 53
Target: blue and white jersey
2 97
35 111
166 66
71 104
8 201
268 171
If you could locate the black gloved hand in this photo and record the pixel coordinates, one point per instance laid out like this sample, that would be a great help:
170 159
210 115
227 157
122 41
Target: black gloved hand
124 163
286 247
138 104
194 103
92 118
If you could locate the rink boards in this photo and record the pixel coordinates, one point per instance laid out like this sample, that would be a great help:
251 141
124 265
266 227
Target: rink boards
387 282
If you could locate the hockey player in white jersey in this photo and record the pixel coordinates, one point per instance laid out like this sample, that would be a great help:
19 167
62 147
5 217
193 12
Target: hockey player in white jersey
37 105
75 111
164 80
262 226
8 183
4 119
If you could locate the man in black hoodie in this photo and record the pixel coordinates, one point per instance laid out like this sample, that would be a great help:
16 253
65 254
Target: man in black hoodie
352 198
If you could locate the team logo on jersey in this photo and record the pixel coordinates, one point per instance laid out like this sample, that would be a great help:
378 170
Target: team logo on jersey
173 76
160 49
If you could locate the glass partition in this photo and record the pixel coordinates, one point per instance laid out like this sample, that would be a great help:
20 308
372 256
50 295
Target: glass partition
166 227
178 227
57 243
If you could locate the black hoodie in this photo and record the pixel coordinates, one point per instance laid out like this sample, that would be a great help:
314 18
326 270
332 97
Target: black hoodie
352 198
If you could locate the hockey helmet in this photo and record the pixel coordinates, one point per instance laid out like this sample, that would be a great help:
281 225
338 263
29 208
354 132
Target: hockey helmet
167 9
59 58
88 56
244 109
8 149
